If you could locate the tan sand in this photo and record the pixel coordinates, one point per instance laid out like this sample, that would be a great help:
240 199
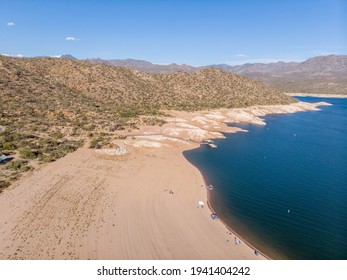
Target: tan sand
139 201
87 206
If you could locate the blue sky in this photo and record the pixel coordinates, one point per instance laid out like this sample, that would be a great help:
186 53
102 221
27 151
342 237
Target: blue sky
192 32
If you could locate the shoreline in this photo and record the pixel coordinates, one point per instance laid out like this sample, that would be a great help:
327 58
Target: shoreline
128 202
232 230
229 228
236 234
322 95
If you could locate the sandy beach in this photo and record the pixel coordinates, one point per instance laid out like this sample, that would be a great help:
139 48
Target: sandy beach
138 201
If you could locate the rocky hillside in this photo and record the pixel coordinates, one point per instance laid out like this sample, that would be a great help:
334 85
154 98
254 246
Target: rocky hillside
321 74
61 84
50 106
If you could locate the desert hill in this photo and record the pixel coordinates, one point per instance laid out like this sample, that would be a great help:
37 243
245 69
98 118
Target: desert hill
50 106
61 81
321 74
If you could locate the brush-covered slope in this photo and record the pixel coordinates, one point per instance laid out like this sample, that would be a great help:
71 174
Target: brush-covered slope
120 88
45 94
49 106
321 74
214 88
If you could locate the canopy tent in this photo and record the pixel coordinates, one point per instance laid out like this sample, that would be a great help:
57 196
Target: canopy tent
4 159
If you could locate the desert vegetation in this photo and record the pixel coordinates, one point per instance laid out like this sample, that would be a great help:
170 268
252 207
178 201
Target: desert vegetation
49 107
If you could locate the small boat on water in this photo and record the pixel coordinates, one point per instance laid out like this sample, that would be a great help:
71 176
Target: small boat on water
210 143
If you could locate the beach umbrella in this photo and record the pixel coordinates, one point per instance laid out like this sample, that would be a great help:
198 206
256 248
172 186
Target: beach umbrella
201 203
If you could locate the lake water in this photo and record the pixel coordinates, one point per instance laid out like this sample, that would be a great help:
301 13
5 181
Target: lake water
297 162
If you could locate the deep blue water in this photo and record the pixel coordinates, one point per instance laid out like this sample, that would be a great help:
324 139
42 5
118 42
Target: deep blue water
296 162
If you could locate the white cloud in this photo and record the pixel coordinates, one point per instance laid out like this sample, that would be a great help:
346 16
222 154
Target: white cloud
10 24
55 56
19 55
5 54
70 38
241 55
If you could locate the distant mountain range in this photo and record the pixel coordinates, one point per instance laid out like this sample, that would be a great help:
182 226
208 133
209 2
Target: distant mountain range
145 66
321 74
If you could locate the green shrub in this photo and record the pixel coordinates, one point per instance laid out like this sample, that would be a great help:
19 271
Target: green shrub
58 135
28 154
9 146
48 159
129 113
18 165
7 152
93 143
4 184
